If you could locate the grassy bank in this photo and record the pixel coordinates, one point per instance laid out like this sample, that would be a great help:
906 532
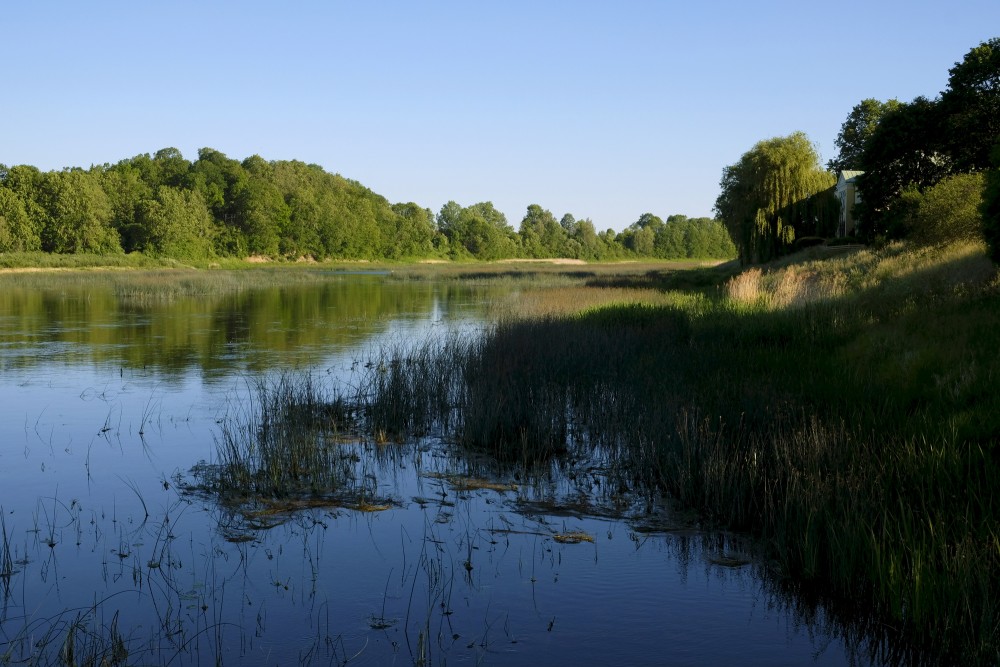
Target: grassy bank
842 409
140 279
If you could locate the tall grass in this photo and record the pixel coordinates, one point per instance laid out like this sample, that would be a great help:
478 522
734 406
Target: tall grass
843 410
277 446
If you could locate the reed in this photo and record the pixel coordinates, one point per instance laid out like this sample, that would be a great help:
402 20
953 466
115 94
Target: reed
843 410
276 446
7 569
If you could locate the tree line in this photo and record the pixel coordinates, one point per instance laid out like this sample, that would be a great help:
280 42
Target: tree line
931 171
167 206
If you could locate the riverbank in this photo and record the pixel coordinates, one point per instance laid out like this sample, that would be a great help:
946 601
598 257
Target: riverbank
843 410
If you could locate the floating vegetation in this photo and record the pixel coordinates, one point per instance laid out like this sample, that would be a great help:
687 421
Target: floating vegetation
465 483
575 537
274 454
365 506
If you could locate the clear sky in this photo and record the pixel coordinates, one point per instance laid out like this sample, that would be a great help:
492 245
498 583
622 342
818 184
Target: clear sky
603 109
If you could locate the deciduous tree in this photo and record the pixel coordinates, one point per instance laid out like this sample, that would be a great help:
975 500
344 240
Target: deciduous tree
971 106
766 195
855 132
907 148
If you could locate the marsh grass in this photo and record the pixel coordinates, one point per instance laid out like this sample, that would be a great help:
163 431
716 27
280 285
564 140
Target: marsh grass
7 569
274 449
72 639
844 410
158 284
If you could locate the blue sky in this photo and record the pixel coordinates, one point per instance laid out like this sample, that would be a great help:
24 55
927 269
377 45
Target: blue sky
605 110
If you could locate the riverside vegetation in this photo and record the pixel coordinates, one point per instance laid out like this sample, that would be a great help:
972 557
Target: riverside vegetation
842 409
811 403
175 492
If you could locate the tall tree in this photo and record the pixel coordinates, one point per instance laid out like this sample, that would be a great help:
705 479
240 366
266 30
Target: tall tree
413 231
126 190
568 223
16 230
766 195
990 208
971 105
77 214
479 230
855 132
24 182
541 235
585 234
176 224
908 148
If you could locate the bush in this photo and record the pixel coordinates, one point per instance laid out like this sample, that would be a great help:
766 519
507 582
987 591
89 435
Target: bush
948 211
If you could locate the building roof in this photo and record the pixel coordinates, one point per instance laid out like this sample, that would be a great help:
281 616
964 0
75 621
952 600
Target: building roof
849 175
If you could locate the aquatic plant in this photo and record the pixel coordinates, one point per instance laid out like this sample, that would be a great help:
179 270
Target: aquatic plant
843 410
280 443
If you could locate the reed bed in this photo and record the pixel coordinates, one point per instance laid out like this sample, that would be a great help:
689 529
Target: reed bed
279 445
843 410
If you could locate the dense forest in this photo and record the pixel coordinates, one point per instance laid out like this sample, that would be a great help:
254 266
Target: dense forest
167 206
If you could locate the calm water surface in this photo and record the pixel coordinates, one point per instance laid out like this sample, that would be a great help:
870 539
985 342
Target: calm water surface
107 404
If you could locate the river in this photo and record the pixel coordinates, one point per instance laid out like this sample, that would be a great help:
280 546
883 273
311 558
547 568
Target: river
109 403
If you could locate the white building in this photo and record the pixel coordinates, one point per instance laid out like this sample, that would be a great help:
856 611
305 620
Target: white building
848 196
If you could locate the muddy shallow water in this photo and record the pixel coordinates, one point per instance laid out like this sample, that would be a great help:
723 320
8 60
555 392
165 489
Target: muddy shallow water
109 407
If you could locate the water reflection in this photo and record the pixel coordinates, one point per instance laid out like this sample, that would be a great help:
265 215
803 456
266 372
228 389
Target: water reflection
217 334
111 549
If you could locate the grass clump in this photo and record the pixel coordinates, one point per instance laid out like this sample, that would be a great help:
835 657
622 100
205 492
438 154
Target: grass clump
843 409
277 448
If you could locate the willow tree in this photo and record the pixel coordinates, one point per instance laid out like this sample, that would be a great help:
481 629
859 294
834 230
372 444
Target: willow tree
772 195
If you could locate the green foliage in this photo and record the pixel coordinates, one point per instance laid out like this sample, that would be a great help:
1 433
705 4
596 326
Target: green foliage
479 231
856 131
414 232
907 148
990 208
16 231
177 224
971 105
768 197
916 145
679 237
77 214
126 191
947 211
259 213
541 236
217 207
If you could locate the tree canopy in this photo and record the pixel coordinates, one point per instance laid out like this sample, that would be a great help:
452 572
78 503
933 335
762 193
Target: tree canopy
856 131
774 193
164 205
913 146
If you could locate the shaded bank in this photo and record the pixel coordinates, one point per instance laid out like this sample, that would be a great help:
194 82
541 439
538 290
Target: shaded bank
844 411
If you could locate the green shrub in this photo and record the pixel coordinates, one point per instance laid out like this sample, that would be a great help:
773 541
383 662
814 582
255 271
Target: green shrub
948 211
